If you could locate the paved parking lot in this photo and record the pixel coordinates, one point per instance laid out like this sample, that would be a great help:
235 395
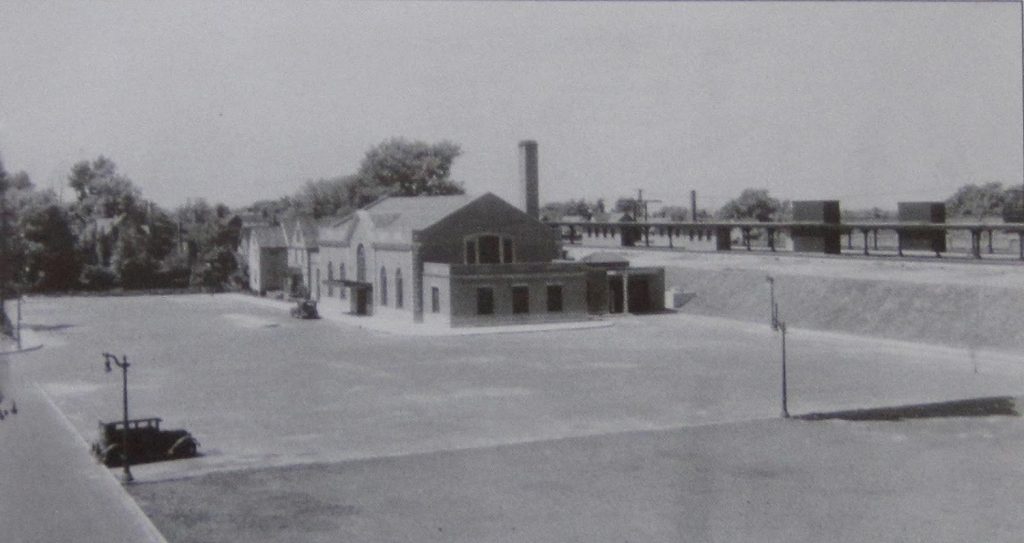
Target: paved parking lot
260 389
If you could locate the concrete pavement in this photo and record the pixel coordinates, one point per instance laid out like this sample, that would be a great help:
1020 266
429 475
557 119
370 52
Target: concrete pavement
51 489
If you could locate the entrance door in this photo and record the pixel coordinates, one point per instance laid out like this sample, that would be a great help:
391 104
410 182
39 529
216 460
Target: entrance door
362 301
615 293
639 295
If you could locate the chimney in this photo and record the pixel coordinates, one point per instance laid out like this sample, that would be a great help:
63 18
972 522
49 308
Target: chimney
529 178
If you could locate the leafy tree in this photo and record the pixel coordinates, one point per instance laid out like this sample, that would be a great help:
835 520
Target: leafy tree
20 181
162 233
102 192
407 168
977 201
672 213
326 197
873 214
8 267
212 237
273 211
51 260
754 204
1013 209
40 251
554 211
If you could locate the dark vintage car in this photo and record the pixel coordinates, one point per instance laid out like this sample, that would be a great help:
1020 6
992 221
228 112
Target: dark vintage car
146 442
305 309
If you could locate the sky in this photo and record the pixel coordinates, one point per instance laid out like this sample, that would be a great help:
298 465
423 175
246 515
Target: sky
866 102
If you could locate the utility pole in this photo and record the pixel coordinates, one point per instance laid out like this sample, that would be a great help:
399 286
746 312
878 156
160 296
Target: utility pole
779 326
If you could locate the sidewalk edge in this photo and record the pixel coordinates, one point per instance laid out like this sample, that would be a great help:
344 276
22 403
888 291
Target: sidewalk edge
109 479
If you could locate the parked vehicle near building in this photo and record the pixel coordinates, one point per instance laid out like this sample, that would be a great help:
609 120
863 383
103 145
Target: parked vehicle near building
146 442
305 309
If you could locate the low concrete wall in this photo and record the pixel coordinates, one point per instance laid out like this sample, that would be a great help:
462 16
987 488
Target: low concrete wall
955 315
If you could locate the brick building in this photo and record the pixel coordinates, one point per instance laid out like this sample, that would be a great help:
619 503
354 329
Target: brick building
465 261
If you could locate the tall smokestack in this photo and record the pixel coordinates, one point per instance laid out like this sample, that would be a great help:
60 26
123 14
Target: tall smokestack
693 206
529 178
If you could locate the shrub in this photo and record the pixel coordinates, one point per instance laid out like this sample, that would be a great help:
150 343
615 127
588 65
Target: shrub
96 277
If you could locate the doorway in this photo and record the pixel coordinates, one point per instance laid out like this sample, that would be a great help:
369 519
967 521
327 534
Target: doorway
362 300
615 292
639 295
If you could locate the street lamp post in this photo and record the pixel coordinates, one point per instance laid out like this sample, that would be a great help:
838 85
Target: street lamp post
18 328
123 364
779 326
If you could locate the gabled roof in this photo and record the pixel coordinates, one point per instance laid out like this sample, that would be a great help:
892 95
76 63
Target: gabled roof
396 217
268 237
417 212
300 232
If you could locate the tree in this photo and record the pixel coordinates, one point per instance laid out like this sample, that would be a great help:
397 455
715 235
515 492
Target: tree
51 261
7 234
212 237
873 214
978 201
754 204
672 213
1013 209
326 197
407 168
554 211
101 191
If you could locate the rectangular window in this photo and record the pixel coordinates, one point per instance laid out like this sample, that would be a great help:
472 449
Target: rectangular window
435 300
520 299
554 298
490 249
485 301
471 251
506 250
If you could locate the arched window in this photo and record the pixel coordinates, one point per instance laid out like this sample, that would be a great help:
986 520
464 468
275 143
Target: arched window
360 263
330 279
383 286
399 302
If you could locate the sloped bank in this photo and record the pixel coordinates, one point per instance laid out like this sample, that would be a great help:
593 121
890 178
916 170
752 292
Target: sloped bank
951 314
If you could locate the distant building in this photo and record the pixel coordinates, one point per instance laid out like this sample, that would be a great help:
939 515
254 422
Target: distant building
465 261
264 250
300 235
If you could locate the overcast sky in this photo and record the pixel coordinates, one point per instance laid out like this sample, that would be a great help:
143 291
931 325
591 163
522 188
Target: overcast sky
868 103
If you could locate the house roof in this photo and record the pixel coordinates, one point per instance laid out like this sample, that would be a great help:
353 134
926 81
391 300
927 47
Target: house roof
417 212
308 227
396 217
268 236
300 231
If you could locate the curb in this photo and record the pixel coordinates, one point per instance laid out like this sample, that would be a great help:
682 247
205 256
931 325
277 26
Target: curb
109 479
